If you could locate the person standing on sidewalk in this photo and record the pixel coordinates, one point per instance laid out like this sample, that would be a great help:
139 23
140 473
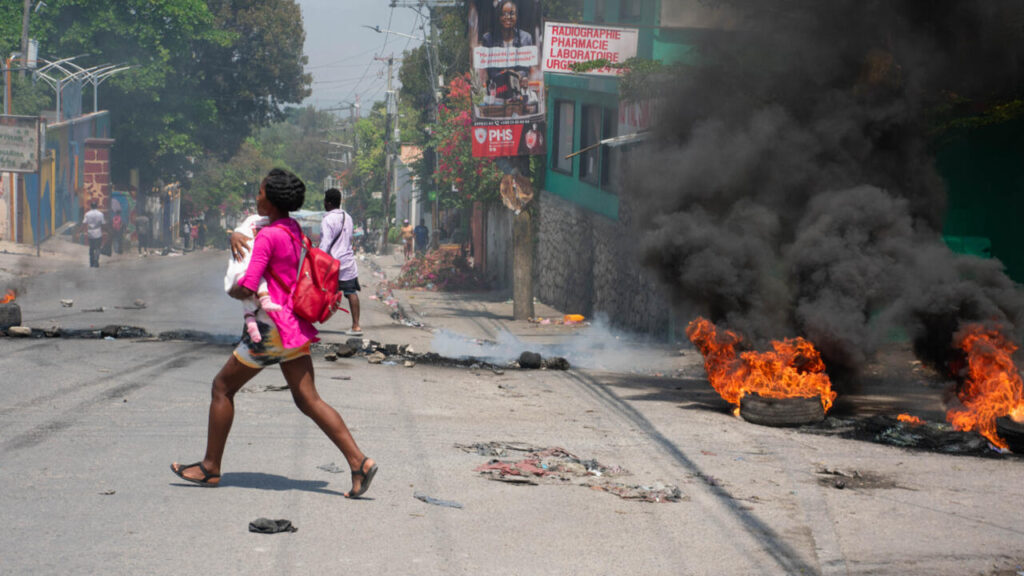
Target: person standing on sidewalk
285 340
92 227
336 239
422 236
407 238
143 231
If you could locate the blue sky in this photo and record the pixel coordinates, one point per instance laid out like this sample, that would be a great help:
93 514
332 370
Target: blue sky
341 51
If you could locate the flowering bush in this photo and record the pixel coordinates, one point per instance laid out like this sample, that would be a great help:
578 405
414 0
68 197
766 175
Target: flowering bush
474 179
440 270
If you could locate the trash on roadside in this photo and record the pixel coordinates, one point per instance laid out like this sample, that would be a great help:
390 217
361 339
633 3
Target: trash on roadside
268 526
22 331
436 501
558 466
573 318
67 303
530 360
100 309
332 468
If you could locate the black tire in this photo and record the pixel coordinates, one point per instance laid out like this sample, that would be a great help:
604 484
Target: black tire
781 411
10 315
1012 432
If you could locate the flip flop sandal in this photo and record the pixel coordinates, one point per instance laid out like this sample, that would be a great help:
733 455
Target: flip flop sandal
367 478
205 481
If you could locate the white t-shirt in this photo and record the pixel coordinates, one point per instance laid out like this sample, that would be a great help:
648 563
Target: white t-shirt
94 221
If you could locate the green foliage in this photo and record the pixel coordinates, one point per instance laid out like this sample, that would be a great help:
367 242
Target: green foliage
205 73
958 115
226 185
563 10
30 98
461 178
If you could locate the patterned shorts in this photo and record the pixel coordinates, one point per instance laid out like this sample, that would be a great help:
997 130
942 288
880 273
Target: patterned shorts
269 350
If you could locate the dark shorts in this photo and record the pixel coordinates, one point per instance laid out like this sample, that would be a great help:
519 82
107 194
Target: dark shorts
349 286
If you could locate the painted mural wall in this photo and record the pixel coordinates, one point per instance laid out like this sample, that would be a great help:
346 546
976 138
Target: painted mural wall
75 168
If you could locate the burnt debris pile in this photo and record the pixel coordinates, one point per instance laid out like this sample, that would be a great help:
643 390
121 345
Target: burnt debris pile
395 354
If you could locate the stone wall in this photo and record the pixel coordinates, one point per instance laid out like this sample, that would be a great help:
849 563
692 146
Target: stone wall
585 264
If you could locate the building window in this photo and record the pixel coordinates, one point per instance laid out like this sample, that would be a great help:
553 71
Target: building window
565 127
609 155
630 10
599 11
590 136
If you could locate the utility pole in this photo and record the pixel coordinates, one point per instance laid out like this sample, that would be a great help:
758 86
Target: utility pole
436 75
522 254
24 36
389 145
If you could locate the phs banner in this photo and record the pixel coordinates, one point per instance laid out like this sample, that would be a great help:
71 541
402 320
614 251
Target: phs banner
505 38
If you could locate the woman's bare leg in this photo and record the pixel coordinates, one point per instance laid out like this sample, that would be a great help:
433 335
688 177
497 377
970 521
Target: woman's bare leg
299 375
226 384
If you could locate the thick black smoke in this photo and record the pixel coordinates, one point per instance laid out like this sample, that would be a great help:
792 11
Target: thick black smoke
792 189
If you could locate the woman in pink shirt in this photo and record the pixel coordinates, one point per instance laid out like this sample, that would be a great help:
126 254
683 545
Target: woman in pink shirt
285 341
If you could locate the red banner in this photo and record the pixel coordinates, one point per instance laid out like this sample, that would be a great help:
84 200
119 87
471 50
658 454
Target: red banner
510 140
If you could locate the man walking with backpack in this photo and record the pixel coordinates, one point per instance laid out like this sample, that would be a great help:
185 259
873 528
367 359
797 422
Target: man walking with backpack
336 239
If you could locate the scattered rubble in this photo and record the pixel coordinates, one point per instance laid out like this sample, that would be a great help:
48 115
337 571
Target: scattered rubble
530 360
436 501
558 466
842 480
930 436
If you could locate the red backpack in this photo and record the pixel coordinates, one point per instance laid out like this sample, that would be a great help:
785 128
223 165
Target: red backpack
315 295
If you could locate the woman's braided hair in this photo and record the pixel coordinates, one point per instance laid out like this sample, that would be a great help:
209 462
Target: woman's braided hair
284 190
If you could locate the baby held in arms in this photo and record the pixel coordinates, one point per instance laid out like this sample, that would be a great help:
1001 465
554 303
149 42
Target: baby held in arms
237 269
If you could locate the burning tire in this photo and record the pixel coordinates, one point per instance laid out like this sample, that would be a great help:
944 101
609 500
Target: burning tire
1012 432
10 315
781 411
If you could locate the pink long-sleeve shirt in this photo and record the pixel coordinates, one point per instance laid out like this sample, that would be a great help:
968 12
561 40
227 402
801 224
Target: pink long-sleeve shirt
274 249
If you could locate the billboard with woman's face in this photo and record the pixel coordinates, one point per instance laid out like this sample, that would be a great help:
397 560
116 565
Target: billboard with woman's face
508 98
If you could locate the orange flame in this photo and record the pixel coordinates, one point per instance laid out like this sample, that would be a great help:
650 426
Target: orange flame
793 369
9 297
993 386
914 420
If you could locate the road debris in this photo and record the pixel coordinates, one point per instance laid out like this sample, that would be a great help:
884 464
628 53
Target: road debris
558 466
930 436
268 526
436 501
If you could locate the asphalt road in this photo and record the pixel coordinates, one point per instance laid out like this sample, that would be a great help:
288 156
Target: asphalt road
89 427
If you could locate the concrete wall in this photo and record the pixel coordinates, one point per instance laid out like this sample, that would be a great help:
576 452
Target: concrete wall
585 264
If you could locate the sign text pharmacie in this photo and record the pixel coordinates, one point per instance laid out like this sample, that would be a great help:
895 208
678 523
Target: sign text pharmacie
567 44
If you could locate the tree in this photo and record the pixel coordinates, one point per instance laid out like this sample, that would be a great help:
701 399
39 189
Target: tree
227 185
461 178
205 74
